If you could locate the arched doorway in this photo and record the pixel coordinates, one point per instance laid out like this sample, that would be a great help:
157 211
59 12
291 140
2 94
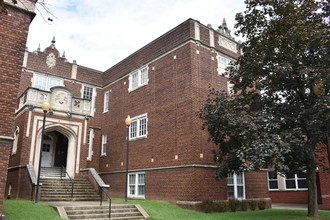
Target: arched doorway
58 150
54 150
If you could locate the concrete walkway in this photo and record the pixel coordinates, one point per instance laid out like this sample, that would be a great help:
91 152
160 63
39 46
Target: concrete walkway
289 206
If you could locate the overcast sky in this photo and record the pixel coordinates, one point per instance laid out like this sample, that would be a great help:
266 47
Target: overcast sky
100 33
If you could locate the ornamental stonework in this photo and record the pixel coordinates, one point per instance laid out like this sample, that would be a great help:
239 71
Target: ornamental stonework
51 60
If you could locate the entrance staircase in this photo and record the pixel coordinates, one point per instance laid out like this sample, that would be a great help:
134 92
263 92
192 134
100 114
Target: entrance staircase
51 172
118 212
61 190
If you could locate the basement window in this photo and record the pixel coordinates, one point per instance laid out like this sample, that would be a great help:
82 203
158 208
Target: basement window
136 185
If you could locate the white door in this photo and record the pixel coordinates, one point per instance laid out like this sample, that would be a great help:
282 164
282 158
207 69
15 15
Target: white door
47 152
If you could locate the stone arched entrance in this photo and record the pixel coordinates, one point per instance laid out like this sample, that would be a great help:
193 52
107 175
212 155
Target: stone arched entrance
58 149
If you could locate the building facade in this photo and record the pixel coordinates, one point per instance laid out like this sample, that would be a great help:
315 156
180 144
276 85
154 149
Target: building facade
14 27
161 87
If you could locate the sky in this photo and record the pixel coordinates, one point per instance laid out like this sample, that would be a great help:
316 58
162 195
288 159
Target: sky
99 34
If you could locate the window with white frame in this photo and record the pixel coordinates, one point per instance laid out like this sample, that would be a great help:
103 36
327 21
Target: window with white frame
88 93
106 101
223 63
138 78
272 180
138 128
90 143
136 184
235 186
45 82
104 145
16 134
296 181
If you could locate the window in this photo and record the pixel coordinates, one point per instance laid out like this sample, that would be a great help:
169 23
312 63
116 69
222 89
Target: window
45 83
16 134
90 144
136 184
296 181
222 64
106 102
138 78
88 93
235 186
138 128
272 180
104 145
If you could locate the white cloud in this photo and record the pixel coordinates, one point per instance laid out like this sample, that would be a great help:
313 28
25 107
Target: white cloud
98 34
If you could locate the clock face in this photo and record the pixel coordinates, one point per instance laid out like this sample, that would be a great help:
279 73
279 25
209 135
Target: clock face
51 60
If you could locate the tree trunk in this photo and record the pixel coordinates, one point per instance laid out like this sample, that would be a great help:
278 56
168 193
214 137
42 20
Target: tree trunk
313 210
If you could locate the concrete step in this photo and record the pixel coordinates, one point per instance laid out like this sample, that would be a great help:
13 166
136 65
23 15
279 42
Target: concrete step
118 212
60 190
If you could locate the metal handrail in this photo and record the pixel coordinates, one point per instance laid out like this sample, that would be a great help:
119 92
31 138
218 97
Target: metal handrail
101 196
72 182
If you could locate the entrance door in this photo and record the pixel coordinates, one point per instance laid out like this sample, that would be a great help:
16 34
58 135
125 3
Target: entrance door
47 152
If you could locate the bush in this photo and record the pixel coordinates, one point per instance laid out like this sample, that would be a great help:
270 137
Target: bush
262 205
208 206
253 205
244 205
221 207
233 204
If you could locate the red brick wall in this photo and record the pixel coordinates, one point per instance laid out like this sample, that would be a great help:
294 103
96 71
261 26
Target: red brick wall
256 185
13 33
324 181
297 197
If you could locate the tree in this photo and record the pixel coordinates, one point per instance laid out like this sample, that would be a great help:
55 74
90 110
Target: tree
278 114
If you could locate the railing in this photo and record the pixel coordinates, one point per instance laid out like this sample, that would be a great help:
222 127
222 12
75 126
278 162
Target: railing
102 189
72 182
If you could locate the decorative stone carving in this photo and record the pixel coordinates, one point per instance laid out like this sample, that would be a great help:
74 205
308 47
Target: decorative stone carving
51 60
61 99
228 44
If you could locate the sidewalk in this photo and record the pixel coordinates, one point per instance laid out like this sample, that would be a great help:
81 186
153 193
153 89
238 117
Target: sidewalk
289 206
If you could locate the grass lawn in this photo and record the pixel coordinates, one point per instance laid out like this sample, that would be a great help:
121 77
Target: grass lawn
163 211
26 210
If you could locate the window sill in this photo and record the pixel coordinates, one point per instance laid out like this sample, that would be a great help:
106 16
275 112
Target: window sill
138 138
287 190
105 112
132 90
103 155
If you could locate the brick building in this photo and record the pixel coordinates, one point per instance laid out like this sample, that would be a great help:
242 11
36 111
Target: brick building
161 86
14 27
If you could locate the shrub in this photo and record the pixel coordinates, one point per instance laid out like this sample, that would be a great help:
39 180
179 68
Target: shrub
244 205
253 205
233 204
262 205
221 207
207 206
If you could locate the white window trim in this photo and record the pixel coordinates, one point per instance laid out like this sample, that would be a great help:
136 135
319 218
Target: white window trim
235 186
90 144
138 118
136 185
16 135
48 78
104 142
106 98
272 180
220 70
296 183
93 96
139 71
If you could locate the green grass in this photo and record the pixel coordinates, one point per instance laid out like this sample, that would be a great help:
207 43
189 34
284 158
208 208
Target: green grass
26 210
164 211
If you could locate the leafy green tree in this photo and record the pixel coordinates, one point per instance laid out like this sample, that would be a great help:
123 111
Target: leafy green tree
278 114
